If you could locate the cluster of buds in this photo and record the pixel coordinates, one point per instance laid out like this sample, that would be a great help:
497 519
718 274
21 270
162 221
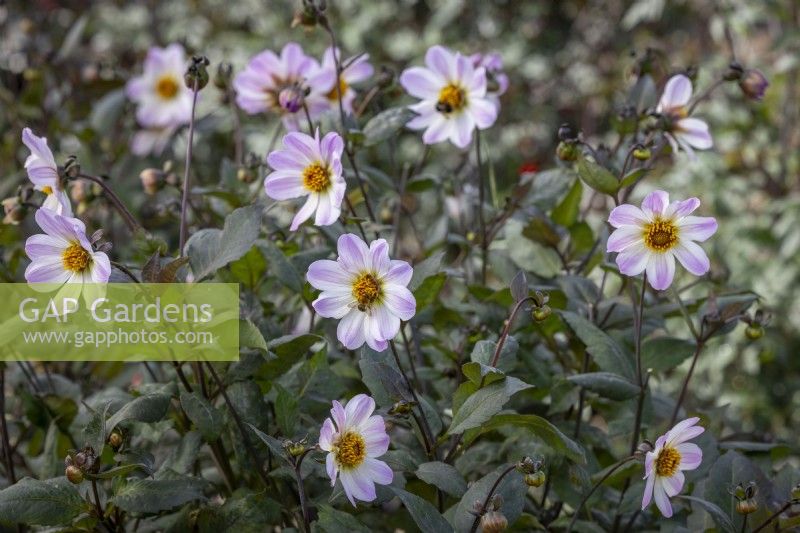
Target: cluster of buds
540 310
153 179
745 497
533 471
751 81
492 520
78 463
568 149
15 207
197 73
756 324
295 448
248 172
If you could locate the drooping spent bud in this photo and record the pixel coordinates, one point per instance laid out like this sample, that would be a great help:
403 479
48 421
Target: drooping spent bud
753 84
493 522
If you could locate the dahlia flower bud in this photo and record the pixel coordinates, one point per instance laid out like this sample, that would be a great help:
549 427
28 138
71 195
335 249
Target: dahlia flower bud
15 210
641 153
197 72
493 522
567 151
541 313
74 474
291 99
401 408
115 439
753 84
152 180
746 506
535 479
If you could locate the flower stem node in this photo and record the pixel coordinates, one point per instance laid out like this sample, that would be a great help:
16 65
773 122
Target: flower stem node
197 72
642 153
493 522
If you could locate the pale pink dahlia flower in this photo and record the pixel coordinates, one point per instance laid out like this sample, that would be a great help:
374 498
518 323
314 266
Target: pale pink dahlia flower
308 166
651 238
162 97
664 466
685 133
354 438
43 173
453 99
366 290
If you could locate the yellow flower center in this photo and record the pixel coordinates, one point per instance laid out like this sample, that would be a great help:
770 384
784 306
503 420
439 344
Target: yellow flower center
342 88
48 190
350 450
451 98
75 258
366 290
316 178
167 87
668 462
660 235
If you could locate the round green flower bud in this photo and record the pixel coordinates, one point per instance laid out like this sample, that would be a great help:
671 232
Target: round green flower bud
642 154
493 522
535 479
754 332
746 506
567 151
541 313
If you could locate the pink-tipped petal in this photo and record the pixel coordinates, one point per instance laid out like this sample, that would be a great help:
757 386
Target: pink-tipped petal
400 302
421 82
399 273
284 185
697 228
358 410
377 471
691 455
694 132
333 304
677 93
627 215
440 60
376 439
655 203
351 330
327 275
357 487
337 413
330 467
647 497
353 252
326 435
662 500
673 484
682 208
692 257
623 238
661 270
305 212
633 260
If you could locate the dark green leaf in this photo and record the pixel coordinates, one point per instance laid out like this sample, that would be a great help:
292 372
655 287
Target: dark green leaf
120 471
427 518
155 495
53 502
604 350
566 213
596 176
250 336
385 124
249 268
207 418
211 249
285 410
512 490
606 384
483 353
442 476
146 408
281 267
425 269
484 403
665 353
719 516
519 286
332 521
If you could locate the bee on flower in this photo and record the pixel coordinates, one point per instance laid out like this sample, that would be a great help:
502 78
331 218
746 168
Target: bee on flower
664 466
685 133
366 290
288 84
453 97
43 173
163 99
651 238
308 166
354 439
